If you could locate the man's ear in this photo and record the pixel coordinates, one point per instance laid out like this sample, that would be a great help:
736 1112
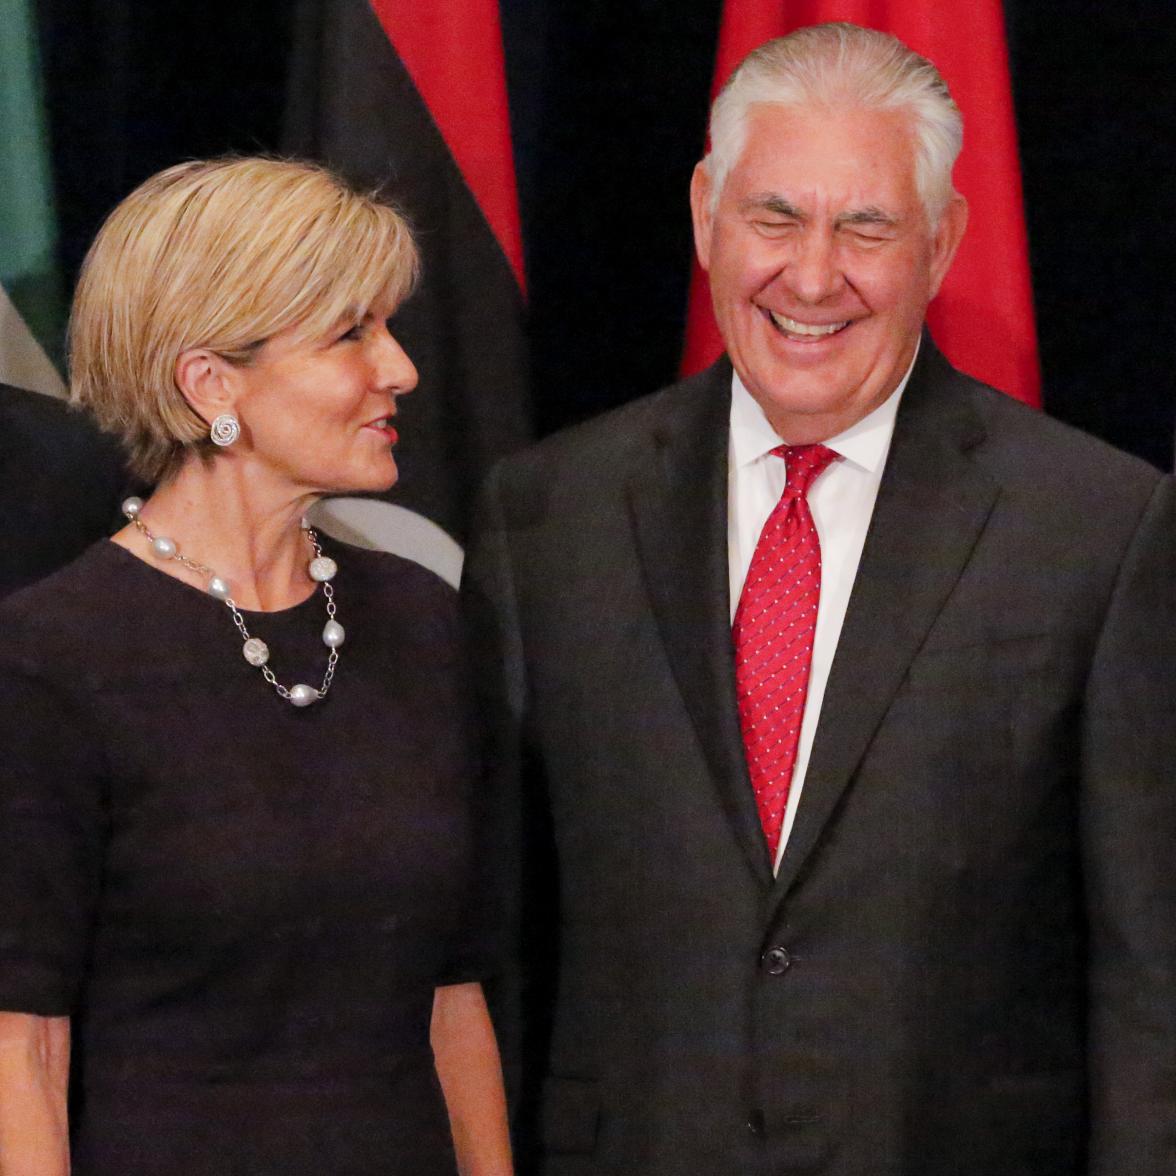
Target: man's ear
700 211
206 381
949 232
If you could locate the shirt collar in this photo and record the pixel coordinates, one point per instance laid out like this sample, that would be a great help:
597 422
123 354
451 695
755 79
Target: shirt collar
865 443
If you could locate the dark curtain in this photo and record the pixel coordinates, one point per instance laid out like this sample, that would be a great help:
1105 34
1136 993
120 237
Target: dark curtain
1095 92
608 101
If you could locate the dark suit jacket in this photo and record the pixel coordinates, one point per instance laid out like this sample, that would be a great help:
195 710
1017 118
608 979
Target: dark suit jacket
967 964
60 485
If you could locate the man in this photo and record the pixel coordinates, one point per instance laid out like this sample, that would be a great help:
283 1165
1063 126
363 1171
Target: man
849 686
60 484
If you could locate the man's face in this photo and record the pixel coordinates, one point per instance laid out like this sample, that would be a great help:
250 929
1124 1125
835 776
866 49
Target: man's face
821 262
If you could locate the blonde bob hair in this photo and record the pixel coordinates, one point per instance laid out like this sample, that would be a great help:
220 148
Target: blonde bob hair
220 254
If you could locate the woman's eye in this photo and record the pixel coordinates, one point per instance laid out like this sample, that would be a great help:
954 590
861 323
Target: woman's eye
352 333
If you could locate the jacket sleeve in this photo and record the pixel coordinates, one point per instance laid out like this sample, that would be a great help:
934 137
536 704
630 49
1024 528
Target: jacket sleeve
521 997
1128 813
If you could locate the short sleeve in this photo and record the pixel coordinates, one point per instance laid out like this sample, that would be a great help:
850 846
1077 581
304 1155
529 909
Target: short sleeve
52 830
474 951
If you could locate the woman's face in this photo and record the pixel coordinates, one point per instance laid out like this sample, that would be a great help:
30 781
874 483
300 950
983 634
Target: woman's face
319 413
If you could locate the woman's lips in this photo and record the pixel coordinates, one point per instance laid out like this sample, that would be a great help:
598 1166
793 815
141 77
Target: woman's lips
384 427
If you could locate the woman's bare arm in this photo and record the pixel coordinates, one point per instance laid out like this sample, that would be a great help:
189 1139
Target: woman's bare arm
34 1078
466 1056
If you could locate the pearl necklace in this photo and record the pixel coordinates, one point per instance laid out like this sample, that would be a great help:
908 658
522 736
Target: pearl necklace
321 569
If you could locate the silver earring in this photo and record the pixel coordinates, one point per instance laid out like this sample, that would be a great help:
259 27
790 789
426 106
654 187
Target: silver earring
225 429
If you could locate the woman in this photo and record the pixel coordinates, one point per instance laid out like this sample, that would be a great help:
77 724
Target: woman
235 838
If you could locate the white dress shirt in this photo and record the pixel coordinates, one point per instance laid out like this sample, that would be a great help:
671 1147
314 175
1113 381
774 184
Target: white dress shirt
841 501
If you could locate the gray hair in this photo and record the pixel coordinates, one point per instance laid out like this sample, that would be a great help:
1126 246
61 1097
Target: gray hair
841 64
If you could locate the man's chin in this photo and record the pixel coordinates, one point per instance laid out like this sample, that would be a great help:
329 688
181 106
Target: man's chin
805 411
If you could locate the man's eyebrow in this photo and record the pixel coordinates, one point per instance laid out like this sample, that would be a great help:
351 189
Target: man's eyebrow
773 203
779 205
870 215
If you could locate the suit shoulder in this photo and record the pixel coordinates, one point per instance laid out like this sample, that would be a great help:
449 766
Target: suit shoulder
41 433
598 448
29 414
603 433
1029 443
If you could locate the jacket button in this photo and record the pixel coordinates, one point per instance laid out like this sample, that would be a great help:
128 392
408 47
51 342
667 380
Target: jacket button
755 1124
776 961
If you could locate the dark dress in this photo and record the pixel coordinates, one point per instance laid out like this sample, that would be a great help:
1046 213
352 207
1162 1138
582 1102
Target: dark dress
245 906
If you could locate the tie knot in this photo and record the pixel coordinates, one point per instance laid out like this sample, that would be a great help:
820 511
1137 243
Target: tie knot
802 464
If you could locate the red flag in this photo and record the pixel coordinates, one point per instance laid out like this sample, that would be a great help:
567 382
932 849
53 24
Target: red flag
983 316
453 51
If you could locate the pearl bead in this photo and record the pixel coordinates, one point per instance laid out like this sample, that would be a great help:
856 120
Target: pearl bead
322 568
255 651
334 634
303 695
131 507
218 588
163 547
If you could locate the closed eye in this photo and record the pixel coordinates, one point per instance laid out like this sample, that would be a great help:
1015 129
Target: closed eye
869 226
774 228
864 237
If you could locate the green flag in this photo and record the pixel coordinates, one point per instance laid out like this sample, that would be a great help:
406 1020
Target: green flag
32 308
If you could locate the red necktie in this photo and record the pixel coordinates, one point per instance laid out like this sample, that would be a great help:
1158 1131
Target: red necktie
773 634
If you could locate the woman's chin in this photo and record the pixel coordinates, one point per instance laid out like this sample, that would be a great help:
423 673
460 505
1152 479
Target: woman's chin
373 480
387 477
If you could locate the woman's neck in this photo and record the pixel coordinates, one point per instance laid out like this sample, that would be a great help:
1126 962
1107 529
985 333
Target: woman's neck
242 522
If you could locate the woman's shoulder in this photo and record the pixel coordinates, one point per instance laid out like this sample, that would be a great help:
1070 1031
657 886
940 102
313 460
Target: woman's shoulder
53 622
87 613
386 574
399 606
77 590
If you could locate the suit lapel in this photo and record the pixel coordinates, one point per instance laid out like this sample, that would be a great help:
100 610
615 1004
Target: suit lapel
932 506
678 504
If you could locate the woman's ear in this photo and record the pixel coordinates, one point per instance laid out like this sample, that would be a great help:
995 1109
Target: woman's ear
207 381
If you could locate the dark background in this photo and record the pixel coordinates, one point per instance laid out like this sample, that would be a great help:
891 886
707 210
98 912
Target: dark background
609 103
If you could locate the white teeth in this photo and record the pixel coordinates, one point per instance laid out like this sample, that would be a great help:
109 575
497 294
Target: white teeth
794 328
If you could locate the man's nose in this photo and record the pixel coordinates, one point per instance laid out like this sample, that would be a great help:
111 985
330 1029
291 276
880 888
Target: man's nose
814 271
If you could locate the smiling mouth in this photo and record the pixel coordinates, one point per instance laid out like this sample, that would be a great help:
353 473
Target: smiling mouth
792 328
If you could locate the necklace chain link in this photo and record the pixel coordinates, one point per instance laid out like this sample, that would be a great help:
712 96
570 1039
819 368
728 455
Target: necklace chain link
238 620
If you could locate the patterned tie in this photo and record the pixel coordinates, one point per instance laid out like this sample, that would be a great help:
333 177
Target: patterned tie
773 634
